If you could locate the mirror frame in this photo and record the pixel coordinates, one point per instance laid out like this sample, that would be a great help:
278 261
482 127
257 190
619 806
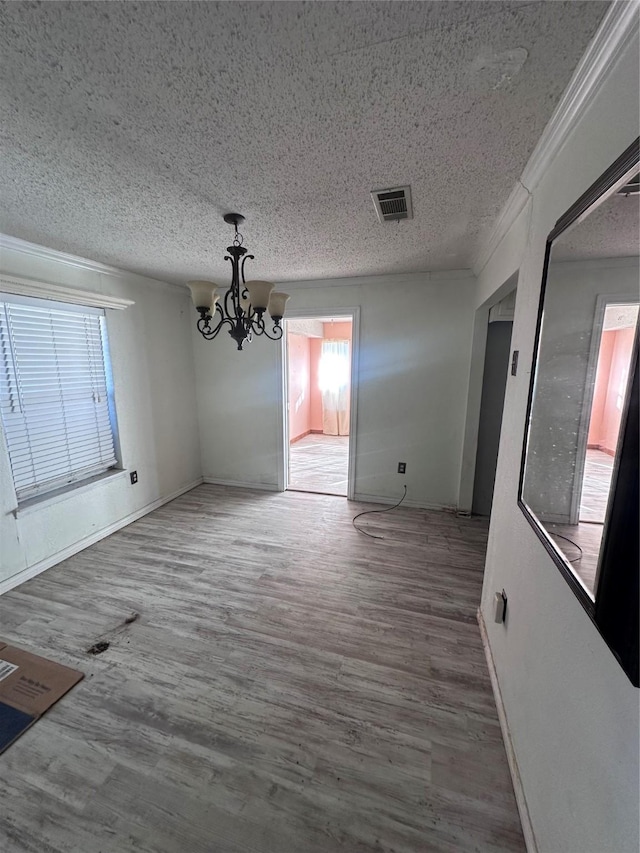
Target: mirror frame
615 609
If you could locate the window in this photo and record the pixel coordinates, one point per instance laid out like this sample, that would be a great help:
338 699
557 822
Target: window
56 399
333 371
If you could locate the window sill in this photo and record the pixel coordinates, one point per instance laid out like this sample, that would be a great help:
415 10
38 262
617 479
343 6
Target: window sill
66 492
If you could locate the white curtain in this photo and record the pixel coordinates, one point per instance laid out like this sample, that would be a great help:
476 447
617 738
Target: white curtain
334 376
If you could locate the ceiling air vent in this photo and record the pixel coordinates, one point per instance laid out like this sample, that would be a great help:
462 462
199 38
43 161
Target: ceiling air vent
393 204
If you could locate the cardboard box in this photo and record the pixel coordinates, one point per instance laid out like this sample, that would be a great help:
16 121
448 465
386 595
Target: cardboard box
29 686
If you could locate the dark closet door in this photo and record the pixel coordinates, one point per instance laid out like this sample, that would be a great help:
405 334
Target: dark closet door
494 382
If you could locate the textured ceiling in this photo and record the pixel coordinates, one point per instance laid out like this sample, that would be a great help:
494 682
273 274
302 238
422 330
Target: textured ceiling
130 128
312 328
612 230
619 317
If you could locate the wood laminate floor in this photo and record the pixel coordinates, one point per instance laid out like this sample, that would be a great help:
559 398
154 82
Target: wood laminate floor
320 463
596 485
581 543
290 686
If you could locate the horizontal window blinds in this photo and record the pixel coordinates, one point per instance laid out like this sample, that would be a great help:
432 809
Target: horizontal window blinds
54 399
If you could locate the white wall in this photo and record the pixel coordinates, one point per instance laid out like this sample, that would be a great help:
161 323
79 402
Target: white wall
572 712
415 347
152 360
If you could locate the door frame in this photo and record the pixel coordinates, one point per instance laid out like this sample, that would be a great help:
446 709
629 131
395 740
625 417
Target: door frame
474 391
352 314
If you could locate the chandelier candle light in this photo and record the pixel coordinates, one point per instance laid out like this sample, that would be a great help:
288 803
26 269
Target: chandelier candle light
243 306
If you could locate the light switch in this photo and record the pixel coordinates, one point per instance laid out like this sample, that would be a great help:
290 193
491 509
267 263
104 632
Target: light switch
500 607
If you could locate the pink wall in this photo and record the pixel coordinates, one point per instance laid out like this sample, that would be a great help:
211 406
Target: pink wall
299 386
611 380
600 391
309 415
618 376
338 331
316 396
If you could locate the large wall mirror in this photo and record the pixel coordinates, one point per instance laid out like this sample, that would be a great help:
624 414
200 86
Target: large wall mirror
579 478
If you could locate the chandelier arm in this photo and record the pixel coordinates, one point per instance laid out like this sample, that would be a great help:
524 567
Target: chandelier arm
204 325
244 260
249 314
277 333
229 294
235 286
260 328
241 292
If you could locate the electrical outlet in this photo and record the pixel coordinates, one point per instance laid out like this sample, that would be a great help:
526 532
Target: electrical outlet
134 477
402 467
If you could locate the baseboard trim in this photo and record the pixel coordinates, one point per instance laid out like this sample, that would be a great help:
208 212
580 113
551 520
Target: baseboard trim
601 448
301 436
305 434
238 484
362 497
81 544
521 802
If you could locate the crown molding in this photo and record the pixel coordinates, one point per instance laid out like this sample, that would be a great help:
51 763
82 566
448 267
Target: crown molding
515 204
44 290
386 279
43 253
46 254
618 29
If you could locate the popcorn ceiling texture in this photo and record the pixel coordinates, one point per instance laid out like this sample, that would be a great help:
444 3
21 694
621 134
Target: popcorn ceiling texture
610 231
131 128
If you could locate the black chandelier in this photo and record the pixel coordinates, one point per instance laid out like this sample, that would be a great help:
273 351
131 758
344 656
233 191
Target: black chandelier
243 306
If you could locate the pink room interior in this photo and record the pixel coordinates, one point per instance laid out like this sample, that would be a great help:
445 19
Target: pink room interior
299 386
305 397
610 388
611 381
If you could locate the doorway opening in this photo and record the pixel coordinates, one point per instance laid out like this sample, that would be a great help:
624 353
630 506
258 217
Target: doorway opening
605 392
319 358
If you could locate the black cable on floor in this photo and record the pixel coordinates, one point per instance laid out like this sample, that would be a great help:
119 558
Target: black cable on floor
368 511
575 545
